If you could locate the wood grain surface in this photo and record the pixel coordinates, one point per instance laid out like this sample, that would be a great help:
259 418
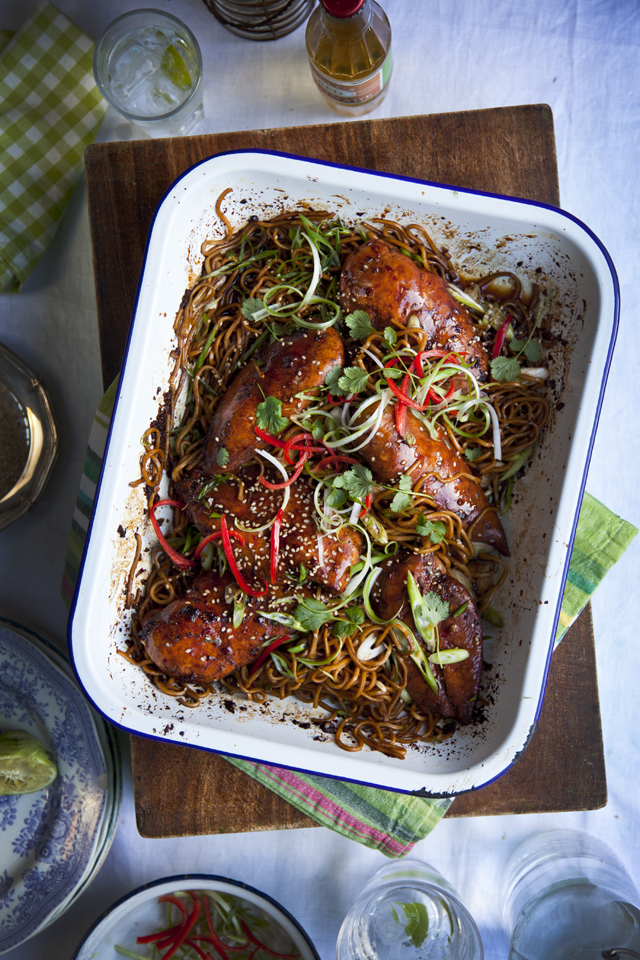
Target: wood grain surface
181 791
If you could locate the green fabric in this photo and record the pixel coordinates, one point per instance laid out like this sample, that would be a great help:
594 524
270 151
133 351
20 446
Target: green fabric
381 819
601 539
50 110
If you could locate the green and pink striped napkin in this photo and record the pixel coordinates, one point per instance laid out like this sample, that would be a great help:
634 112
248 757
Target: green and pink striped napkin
381 819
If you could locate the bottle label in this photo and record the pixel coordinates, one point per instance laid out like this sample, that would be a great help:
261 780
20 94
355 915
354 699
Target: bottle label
354 92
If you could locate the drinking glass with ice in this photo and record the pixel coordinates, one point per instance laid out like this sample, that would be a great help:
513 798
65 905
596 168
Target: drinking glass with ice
147 64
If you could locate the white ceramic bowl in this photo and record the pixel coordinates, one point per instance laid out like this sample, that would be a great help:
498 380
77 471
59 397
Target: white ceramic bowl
484 233
139 913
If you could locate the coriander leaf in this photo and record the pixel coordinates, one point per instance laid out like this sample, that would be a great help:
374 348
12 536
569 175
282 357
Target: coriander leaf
269 415
505 368
222 457
355 615
311 614
472 453
343 628
434 607
533 351
357 481
434 529
353 380
392 373
331 380
359 325
336 498
251 306
402 499
390 336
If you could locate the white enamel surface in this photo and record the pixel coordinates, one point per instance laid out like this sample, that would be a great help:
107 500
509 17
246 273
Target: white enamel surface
539 528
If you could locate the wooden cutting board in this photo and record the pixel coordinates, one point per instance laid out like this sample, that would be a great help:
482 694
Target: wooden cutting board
180 791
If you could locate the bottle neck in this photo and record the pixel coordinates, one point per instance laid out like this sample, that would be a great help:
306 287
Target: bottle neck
343 9
356 23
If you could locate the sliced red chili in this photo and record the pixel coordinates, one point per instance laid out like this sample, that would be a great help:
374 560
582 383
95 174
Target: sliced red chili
436 398
186 927
275 545
231 560
168 935
336 403
400 413
266 653
269 438
214 536
500 335
301 443
183 562
294 476
404 398
368 500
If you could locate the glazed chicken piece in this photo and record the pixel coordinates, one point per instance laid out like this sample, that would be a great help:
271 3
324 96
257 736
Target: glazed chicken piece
391 288
298 363
301 543
193 637
458 683
444 474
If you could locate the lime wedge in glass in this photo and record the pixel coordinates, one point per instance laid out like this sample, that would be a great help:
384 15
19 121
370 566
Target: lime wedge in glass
25 764
174 68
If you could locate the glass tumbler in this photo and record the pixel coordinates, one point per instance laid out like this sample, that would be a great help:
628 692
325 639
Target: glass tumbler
407 911
147 64
567 896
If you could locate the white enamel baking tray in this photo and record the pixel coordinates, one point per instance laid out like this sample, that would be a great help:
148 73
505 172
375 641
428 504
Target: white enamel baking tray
483 233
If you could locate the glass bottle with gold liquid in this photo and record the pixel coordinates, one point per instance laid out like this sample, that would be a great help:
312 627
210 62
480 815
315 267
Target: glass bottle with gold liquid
349 47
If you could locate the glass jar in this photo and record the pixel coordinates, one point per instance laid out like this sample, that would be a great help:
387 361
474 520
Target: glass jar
349 48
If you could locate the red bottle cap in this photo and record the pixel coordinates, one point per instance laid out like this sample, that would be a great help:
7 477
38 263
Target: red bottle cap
342 8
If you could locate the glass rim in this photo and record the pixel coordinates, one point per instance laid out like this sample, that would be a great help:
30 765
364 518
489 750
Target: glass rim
133 117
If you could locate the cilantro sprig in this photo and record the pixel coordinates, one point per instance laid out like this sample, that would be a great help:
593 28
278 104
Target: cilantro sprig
346 381
359 324
508 368
344 628
269 416
357 481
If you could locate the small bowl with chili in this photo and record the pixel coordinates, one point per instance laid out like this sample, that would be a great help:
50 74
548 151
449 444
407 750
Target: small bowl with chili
196 916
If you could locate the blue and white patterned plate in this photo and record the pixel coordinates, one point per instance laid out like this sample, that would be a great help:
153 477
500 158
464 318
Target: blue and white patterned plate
50 841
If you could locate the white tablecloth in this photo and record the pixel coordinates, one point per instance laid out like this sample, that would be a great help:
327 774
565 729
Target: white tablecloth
582 57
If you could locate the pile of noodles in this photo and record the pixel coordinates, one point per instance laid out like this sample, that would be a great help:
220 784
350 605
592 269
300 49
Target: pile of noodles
364 700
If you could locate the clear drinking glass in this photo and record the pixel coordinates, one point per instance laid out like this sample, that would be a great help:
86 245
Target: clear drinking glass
407 911
147 64
567 896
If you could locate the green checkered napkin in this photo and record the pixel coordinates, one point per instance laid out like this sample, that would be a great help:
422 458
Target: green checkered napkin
386 821
50 110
